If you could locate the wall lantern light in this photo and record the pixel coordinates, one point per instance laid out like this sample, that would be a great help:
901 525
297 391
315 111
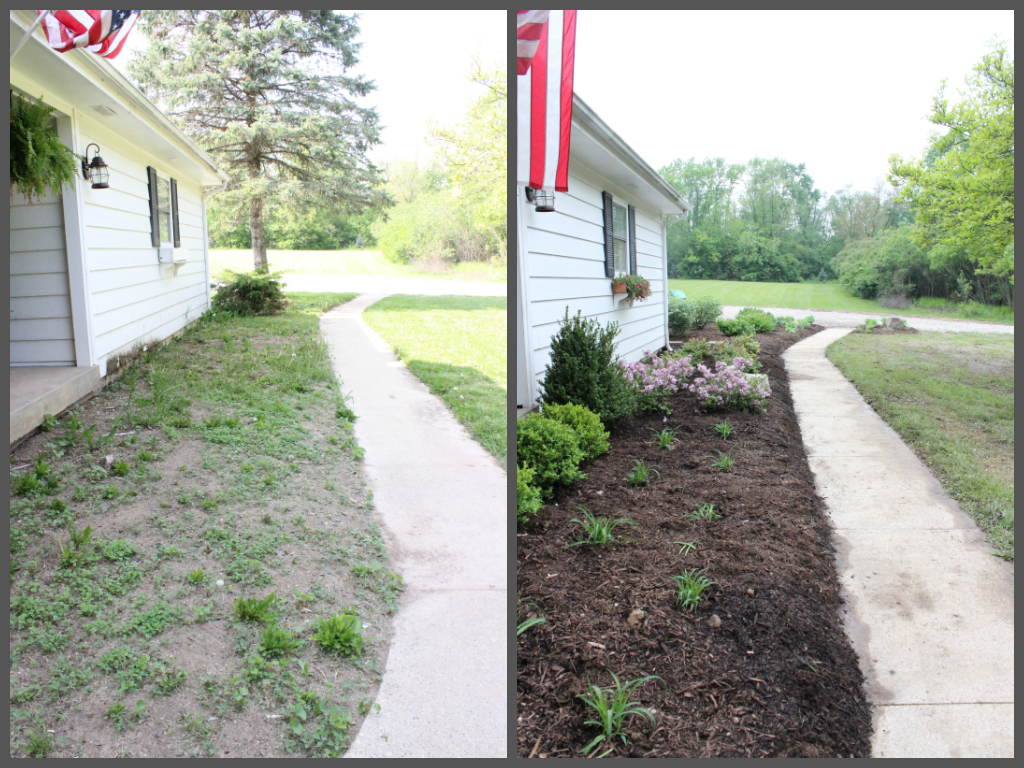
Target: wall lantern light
96 171
544 200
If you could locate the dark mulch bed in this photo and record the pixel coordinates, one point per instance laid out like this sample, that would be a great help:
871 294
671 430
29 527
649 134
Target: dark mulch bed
778 678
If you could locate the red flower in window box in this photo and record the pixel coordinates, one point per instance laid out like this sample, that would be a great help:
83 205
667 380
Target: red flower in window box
634 286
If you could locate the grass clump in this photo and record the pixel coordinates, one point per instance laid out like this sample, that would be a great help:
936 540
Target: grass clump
641 474
277 642
690 588
704 512
601 530
253 610
610 709
665 439
341 634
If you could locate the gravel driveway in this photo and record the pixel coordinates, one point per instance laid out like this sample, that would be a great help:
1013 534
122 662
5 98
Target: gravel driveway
832 319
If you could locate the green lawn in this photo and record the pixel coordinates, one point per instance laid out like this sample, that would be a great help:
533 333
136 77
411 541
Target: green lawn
348 263
824 296
950 397
458 347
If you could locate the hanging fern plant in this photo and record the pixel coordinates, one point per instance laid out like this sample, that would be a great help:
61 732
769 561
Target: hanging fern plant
39 160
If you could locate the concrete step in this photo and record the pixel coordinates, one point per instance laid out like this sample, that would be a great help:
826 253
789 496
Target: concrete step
37 391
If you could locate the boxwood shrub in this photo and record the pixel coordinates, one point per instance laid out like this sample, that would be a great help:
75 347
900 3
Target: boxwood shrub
735 327
528 501
763 322
550 449
585 423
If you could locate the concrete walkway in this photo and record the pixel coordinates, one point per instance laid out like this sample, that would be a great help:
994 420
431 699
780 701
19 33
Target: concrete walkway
929 610
443 501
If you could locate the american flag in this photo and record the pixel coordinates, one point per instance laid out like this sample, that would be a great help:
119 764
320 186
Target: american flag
544 100
101 32
529 25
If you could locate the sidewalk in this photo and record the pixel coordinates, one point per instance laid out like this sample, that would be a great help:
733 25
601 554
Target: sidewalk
929 610
443 501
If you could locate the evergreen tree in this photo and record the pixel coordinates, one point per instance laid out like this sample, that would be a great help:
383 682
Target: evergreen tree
267 94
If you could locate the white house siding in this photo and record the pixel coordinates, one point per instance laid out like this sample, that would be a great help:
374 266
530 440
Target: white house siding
135 299
41 328
565 267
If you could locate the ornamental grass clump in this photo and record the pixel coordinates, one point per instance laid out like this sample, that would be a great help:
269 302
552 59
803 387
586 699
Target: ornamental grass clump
728 387
551 450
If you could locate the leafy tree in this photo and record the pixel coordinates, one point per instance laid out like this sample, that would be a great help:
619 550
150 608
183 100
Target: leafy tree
475 154
962 190
267 94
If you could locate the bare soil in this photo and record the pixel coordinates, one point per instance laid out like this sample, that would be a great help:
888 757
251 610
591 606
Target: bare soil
317 514
763 667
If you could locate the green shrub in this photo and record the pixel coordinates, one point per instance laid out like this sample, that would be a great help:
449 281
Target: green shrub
735 327
528 500
763 322
585 423
706 309
680 316
250 294
583 370
551 449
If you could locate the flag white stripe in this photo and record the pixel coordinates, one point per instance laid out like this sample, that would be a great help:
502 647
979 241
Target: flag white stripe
553 117
523 85
531 17
52 31
525 49
82 18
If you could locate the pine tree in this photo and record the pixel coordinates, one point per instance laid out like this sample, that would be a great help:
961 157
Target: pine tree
267 95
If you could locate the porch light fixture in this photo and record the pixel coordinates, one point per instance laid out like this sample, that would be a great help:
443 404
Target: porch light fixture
96 171
544 201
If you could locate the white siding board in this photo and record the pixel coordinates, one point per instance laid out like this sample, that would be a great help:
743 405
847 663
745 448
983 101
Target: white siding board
40 215
140 311
23 286
38 239
42 353
38 263
47 329
44 307
155 328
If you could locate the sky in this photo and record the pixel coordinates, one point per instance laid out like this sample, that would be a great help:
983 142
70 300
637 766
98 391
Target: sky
840 91
419 61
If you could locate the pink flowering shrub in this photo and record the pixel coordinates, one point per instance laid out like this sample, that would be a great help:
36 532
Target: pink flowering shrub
728 387
655 378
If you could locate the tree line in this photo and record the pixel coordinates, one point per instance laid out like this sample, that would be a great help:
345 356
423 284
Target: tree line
942 226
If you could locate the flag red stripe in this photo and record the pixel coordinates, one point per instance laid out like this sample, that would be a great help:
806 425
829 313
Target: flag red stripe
530 31
568 66
538 111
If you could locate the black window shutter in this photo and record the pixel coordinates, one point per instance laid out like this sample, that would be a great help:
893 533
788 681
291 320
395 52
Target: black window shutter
609 242
632 240
174 213
154 207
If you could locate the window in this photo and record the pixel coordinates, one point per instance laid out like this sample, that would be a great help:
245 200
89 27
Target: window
619 237
163 209
620 245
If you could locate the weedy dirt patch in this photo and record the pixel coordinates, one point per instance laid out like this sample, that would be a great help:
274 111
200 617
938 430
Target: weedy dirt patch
219 585
725 589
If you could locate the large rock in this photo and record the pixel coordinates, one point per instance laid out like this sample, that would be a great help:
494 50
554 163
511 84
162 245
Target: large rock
896 324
